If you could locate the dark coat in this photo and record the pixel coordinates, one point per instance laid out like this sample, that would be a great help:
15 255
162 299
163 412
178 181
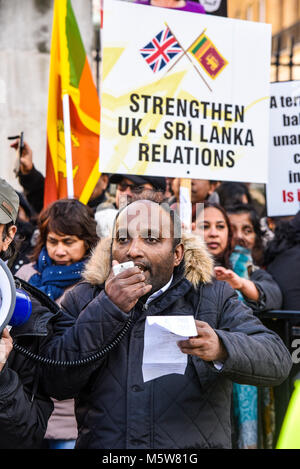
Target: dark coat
114 407
270 294
24 407
282 259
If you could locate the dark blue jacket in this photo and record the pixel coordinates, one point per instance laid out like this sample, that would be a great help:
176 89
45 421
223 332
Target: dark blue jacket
116 409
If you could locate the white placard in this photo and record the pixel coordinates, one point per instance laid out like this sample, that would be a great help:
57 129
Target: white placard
283 189
162 356
184 94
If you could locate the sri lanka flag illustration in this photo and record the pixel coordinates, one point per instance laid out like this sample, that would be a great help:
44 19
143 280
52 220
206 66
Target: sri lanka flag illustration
207 55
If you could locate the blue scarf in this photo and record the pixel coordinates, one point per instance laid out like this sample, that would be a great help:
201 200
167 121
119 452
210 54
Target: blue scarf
241 259
54 279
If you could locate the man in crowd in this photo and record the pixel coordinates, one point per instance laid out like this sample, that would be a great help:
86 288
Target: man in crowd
115 408
24 408
131 187
201 190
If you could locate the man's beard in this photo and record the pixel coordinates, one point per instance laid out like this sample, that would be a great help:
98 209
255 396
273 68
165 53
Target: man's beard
159 280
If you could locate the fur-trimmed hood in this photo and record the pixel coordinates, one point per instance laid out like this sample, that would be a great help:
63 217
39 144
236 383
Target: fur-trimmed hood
198 261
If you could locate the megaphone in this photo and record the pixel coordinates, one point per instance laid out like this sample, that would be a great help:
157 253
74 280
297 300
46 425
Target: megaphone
16 308
15 303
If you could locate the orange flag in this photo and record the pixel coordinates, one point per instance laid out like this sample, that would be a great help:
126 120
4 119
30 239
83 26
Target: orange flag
73 121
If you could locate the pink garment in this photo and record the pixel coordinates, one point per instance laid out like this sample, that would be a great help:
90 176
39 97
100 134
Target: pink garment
194 7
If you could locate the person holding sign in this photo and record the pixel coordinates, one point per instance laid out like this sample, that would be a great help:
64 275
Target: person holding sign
184 5
172 275
130 187
282 259
201 190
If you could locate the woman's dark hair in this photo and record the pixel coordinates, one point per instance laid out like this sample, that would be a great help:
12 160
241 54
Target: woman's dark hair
223 258
67 217
258 249
231 193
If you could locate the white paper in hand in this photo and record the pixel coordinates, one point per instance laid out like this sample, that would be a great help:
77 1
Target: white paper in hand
162 356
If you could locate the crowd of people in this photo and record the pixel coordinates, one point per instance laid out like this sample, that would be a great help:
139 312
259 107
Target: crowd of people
226 270
231 265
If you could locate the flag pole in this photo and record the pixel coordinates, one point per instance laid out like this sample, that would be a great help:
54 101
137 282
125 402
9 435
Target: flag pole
68 146
185 204
184 51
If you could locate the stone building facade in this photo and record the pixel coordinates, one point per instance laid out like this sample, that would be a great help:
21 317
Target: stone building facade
25 38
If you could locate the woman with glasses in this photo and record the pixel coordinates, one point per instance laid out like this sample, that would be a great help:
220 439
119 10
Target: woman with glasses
129 187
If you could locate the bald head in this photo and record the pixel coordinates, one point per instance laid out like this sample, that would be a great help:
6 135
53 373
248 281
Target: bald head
152 217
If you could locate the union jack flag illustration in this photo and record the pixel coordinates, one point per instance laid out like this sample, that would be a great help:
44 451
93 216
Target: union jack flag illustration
161 50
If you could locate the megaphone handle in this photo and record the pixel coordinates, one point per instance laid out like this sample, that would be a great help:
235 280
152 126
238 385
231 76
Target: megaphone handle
8 328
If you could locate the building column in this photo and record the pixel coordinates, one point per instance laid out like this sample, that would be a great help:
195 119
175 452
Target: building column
274 15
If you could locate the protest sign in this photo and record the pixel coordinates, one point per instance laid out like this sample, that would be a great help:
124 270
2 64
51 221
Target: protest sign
283 189
184 94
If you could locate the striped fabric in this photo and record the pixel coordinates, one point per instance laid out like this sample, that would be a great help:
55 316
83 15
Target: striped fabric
200 46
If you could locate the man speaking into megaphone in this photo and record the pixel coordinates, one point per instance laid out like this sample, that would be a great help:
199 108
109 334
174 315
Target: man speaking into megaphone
24 409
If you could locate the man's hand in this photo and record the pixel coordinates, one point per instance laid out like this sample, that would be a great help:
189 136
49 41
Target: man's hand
125 289
206 345
6 346
234 280
26 164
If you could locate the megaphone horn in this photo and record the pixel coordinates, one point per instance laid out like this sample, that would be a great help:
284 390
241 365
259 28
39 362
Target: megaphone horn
15 304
